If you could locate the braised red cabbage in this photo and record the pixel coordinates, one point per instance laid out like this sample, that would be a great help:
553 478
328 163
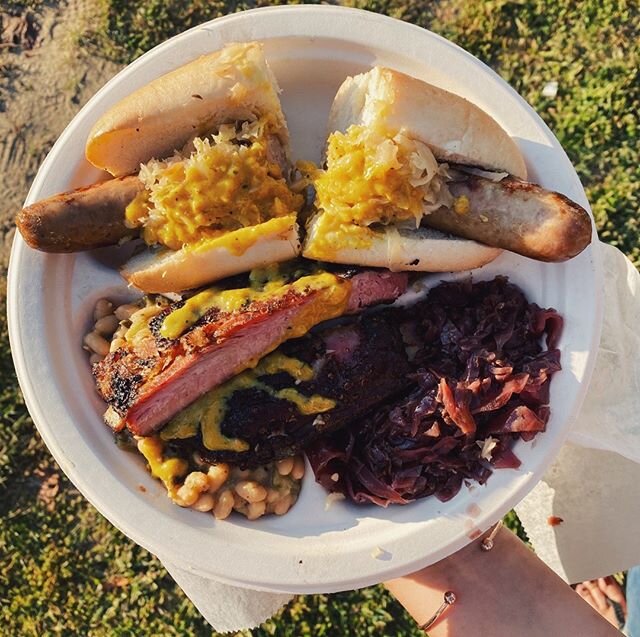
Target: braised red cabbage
482 357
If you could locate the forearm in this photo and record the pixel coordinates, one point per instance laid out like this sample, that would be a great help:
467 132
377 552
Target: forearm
506 591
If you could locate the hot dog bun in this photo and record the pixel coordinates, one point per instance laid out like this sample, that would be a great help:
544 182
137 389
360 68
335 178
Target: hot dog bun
221 205
229 89
234 84
419 250
425 125
454 129
161 271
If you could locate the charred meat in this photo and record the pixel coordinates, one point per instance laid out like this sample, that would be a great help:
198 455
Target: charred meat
175 355
310 386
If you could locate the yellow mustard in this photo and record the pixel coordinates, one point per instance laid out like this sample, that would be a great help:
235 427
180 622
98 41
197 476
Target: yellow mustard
239 241
169 470
278 362
221 188
461 205
208 412
306 404
367 181
331 296
329 300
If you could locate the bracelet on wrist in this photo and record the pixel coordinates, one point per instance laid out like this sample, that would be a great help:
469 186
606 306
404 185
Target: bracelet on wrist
450 597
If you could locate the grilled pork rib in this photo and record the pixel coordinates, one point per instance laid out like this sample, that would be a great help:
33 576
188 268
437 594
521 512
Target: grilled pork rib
147 383
359 365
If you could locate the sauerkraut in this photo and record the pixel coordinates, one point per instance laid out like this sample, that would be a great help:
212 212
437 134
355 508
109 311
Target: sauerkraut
374 177
224 183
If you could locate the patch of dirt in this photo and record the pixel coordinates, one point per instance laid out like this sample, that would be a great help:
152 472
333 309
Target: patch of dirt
46 76
18 31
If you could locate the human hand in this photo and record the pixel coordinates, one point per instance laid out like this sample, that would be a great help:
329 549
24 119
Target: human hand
600 594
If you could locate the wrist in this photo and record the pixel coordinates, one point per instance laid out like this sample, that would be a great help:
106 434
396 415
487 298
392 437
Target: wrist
503 592
422 592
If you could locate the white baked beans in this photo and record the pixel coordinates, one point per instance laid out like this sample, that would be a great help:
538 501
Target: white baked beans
218 488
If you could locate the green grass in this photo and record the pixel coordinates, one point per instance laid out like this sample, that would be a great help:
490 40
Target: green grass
63 568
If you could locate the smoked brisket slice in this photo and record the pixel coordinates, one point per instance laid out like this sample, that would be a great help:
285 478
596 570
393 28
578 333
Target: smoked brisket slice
147 384
360 365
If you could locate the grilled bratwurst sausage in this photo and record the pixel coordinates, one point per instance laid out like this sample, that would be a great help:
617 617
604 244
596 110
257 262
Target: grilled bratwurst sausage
82 219
94 216
515 215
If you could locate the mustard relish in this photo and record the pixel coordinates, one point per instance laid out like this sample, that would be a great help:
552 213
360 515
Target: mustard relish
373 176
222 187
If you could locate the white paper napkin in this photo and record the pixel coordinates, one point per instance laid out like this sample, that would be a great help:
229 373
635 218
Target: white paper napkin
596 494
594 483
227 608
593 486
610 416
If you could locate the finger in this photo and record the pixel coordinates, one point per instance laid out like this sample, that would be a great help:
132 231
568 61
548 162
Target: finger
605 581
589 591
583 591
600 599
612 590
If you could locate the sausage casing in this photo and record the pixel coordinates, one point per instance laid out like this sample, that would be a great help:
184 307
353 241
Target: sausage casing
81 219
516 216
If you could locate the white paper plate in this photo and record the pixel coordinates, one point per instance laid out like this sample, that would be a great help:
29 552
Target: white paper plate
311 50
